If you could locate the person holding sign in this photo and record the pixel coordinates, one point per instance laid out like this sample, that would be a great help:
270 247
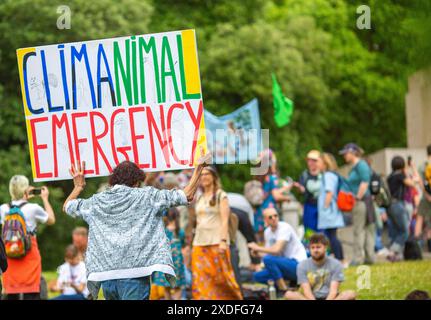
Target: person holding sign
127 241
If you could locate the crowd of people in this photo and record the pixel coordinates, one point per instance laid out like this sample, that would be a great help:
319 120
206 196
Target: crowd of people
174 236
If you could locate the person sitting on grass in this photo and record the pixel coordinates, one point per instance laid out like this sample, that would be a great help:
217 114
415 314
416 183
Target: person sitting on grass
72 278
320 275
282 252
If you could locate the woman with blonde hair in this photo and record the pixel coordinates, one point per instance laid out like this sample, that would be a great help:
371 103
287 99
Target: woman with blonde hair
330 217
23 275
212 273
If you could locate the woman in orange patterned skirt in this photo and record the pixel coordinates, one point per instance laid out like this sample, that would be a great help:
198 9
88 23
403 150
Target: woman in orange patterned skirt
212 273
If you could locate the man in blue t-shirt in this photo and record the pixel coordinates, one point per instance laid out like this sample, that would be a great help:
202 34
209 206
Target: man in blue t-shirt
363 215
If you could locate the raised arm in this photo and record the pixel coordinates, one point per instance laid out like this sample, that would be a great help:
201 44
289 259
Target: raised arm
192 186
48 208
78 182
275 249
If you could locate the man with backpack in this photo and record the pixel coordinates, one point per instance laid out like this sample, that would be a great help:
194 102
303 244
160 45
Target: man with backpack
424 209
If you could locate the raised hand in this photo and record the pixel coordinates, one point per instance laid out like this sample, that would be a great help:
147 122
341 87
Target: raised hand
78 176
28 193
205 159
44 194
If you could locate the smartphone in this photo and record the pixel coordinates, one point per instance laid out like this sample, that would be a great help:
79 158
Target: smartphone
36 191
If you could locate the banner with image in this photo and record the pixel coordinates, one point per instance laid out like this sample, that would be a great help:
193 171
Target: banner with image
235 137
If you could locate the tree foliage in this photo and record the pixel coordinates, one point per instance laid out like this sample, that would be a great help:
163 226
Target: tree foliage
347 84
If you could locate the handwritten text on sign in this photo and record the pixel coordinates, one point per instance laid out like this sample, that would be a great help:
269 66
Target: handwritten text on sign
105 101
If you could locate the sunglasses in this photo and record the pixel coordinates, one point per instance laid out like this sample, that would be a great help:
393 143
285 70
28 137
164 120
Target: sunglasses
273 216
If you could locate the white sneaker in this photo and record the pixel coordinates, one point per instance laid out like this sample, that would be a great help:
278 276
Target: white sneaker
383 252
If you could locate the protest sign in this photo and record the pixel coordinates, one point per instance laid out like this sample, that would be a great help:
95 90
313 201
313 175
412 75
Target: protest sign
235 137
132 98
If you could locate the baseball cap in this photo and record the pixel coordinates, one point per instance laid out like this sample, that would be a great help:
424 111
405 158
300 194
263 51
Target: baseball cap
313 155
350 147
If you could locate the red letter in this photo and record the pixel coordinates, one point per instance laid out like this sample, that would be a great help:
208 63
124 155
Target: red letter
58 124
171 146
37 147
77 140
122 150
95 138
136 137
163 143
196 122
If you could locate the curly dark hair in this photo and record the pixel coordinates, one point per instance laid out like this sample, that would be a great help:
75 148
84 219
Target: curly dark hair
127 173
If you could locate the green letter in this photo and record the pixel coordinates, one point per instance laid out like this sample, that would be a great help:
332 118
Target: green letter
166 52
183 79
125 74
151 45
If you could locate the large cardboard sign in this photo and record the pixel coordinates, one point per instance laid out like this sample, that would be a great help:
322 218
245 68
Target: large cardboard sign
133 98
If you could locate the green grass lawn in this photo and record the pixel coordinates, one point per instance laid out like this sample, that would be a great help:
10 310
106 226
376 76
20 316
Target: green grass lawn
389 281
385 281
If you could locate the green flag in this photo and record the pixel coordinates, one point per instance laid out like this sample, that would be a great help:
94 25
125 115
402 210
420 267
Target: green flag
283 106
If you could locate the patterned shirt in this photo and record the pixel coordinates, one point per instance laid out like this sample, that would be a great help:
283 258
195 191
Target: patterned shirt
126 232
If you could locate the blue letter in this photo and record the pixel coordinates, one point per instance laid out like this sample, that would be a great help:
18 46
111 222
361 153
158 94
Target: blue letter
46 83
101 53
63 76
78 56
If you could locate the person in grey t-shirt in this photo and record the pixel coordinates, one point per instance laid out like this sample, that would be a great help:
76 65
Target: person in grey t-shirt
320 276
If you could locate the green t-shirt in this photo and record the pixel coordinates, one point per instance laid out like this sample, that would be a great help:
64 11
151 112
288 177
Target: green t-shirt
361 172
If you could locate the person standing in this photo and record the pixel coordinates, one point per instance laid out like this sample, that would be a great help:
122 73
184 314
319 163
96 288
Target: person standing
176 238
23 276
127 241
310 184
271 191
363 214
423 221
213 277
330 217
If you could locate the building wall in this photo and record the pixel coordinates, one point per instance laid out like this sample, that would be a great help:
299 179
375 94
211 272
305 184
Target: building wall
418 109
381 160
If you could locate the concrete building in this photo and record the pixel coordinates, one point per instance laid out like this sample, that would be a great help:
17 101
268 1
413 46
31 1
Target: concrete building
418 120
